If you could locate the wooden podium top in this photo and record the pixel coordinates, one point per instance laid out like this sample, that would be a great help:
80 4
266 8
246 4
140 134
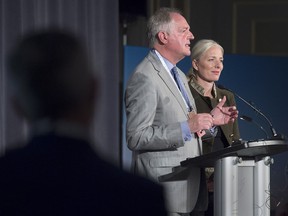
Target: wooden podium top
246 149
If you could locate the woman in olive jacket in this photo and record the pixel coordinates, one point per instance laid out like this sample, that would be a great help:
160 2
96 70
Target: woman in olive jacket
207 65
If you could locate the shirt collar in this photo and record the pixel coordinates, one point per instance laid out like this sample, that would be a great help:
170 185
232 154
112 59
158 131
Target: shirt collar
166 61
200 89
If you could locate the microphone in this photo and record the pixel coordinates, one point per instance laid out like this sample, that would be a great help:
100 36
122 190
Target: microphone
249 119
254 108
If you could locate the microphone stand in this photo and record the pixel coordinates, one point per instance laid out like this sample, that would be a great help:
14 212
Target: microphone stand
259 112
254 108
249 119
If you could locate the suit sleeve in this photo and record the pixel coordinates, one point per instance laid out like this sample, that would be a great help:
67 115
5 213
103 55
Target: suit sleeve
147 126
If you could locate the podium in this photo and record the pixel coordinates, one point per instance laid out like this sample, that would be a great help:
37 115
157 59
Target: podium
241 176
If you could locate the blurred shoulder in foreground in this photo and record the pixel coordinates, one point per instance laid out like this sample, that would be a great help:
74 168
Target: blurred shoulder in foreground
57 172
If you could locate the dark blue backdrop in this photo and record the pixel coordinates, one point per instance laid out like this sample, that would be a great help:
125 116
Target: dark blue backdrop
261 80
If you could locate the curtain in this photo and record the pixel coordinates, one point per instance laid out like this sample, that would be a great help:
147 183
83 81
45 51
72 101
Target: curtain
96 22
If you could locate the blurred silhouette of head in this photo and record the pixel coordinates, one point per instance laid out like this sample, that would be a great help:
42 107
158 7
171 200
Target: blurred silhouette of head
51 77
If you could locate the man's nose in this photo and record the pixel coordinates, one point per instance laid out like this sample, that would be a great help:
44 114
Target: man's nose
191 36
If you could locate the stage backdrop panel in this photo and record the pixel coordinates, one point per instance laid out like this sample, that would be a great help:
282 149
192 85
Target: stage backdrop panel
261 80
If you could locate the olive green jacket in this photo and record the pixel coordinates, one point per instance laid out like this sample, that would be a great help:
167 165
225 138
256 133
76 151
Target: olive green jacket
230 130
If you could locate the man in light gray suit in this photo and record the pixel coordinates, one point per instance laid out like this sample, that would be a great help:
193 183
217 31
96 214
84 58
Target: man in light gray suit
163 127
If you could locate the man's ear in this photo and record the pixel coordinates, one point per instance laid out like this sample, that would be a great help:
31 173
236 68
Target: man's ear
195 64
163 37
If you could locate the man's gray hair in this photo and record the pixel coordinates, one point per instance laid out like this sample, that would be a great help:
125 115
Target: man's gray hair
159 21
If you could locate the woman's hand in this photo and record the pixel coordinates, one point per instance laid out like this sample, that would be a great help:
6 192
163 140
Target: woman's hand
224 115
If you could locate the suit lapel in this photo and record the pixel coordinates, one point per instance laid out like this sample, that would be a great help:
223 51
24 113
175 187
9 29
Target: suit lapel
187 88
153 58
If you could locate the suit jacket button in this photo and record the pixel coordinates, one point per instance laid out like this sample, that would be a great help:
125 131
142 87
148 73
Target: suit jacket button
231 135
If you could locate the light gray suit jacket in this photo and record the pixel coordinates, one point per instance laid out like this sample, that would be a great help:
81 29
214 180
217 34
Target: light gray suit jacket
154 109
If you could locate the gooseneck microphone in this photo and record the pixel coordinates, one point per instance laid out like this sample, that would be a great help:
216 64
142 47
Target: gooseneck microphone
254 108
249 119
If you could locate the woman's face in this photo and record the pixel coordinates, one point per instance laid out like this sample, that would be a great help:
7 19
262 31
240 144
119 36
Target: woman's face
209 65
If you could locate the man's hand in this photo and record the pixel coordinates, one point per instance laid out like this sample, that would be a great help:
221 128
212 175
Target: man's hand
224 115
200 122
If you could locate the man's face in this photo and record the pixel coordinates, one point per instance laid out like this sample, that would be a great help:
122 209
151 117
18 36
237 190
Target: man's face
179 37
